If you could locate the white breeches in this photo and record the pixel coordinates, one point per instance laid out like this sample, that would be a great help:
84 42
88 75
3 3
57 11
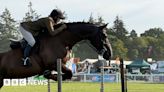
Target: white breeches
27 36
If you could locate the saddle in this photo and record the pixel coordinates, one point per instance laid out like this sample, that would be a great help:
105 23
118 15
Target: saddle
15 44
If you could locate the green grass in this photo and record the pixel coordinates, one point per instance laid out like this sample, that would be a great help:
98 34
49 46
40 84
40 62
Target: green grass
87 87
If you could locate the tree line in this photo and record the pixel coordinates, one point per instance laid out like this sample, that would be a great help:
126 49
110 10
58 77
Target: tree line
125 43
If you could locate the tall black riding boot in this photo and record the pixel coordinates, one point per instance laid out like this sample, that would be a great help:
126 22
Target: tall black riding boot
26 58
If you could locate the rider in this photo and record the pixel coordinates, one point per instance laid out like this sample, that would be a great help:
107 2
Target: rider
31 28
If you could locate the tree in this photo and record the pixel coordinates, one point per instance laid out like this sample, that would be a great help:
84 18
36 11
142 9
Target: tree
8 29
160 48
119 49
153 32
31 14
8 24
141 45
134 53
133 34
83 51
1 30
119 29
91 19
100 20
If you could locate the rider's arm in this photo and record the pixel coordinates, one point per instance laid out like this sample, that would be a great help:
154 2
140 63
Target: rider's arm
49 25
51 29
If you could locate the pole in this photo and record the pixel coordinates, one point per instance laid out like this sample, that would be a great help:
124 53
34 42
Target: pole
59 76
102 79
123 85
49 85
100 58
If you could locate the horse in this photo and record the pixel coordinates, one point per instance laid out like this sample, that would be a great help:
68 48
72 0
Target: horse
53 47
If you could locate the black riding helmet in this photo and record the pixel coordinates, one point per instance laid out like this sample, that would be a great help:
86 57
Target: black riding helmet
57 13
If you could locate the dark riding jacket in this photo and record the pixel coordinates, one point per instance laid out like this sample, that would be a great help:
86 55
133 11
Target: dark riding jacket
36 26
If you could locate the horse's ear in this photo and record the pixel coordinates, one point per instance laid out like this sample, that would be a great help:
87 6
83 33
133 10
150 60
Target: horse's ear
103 26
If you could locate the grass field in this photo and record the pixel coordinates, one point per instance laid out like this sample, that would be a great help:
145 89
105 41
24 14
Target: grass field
87 87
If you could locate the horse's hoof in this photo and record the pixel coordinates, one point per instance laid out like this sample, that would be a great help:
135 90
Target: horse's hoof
46 73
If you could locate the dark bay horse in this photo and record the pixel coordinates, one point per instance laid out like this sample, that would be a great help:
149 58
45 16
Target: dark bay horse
53 47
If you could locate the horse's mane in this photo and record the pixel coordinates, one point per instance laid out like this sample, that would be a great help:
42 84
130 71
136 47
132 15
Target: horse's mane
79 23
88 23
70 25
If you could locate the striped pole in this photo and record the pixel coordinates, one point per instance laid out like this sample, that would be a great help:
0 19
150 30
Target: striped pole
100 58
49 90
59 75
102 78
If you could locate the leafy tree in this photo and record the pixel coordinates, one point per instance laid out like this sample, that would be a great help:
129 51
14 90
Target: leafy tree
154 47
134 53
160 48
83 51
141 45
153 32
119 49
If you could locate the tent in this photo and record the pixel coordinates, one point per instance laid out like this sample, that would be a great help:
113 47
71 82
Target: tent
138 66
139 63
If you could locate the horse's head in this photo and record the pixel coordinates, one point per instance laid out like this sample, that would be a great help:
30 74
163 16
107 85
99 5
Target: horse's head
97 37
100 42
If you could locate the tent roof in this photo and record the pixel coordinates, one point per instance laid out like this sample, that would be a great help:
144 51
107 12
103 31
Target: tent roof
139 63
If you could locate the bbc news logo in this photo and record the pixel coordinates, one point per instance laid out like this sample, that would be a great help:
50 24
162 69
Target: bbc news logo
23 82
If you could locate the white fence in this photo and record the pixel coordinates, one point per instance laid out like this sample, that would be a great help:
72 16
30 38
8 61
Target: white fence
154 78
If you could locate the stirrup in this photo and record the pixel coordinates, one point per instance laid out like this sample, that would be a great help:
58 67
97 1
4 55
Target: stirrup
26 61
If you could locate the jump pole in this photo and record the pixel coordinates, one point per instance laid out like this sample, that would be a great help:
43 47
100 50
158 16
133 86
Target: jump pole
123 80
49 88
59 75
102 79
100 58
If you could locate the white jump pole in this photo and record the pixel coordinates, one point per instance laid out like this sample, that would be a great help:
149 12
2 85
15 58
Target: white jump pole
59 75
102 73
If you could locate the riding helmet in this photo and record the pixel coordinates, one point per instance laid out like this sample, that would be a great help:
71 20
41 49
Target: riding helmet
58 13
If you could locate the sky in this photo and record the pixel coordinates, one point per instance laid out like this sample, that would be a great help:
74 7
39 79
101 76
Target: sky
139 15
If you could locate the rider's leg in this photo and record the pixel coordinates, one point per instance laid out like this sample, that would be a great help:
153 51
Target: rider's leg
31 42
26 58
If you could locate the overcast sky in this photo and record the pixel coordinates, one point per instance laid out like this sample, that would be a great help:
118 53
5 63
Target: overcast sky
139 15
